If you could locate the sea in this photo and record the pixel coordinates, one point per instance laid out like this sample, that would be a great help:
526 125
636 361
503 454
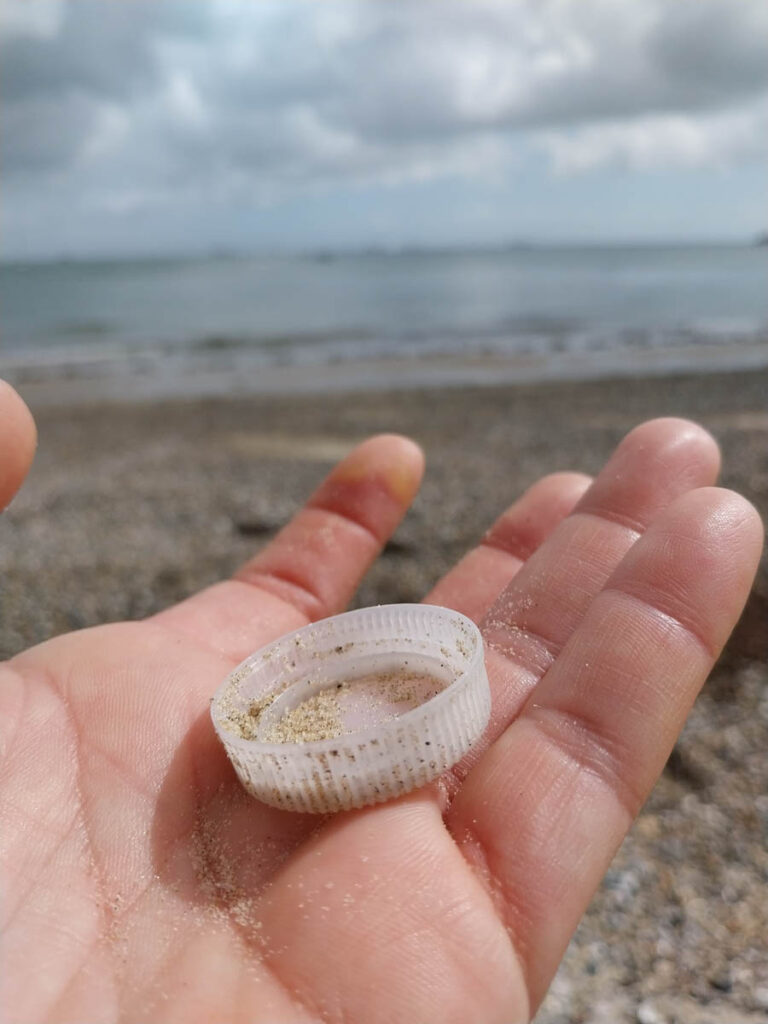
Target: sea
228 323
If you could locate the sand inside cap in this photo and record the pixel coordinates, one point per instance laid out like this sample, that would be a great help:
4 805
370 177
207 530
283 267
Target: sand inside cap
322 705
346 706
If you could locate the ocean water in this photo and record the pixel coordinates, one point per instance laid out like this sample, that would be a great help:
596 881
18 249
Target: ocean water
553 304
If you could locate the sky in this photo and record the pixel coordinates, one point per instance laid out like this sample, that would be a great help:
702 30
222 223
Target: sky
130 127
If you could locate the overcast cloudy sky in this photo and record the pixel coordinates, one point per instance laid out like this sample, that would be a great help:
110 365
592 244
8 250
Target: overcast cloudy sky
184 126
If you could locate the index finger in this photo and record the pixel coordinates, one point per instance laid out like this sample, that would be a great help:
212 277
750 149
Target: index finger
314 565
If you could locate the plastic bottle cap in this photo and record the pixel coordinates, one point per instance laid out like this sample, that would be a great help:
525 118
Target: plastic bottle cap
355 709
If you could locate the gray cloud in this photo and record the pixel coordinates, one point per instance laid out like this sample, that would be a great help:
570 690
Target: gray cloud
711 51
53 84
115 106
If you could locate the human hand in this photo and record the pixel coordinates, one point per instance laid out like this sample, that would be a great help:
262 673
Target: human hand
143 884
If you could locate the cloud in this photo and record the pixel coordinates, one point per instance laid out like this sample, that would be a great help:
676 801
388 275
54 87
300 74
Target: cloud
712 50
115 106
661 141
41 18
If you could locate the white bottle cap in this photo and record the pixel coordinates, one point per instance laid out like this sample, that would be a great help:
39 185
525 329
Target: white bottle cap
355 709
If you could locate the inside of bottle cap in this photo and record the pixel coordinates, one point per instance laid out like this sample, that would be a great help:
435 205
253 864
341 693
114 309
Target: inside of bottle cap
340 703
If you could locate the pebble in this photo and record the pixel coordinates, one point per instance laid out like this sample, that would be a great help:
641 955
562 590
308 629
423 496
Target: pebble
648 1014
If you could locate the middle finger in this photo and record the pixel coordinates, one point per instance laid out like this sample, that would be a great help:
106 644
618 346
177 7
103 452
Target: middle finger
475 582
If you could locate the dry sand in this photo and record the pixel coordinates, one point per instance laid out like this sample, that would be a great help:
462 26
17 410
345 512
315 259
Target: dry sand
130 507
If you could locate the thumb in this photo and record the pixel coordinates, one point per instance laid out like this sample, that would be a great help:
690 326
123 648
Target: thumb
18 439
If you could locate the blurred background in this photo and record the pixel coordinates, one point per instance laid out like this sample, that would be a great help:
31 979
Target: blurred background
192 188
238 237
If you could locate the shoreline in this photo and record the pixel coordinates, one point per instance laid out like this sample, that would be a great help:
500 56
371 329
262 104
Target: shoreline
122 377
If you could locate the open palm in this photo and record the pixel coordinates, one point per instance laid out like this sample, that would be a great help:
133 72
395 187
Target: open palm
142 884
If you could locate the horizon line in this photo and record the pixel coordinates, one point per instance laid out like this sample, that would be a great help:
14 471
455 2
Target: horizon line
224 252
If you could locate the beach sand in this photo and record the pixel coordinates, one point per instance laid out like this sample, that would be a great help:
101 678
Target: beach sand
131 506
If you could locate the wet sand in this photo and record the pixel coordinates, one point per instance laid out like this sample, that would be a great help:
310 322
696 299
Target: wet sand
133 505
